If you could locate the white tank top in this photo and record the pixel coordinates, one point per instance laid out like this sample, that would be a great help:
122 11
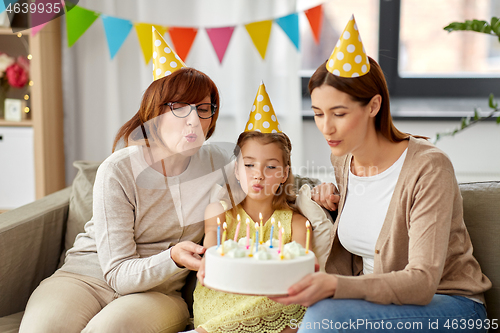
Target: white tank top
365 208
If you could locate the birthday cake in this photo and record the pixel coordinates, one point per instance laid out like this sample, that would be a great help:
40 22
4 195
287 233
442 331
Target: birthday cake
262 270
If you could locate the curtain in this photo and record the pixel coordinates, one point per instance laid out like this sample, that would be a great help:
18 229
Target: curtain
101 94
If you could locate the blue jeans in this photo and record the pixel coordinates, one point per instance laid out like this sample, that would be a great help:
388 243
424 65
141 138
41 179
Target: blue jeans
444 314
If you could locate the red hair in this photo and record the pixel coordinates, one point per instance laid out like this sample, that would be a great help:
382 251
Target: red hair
184 85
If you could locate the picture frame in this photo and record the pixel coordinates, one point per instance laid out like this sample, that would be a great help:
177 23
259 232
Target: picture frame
13 109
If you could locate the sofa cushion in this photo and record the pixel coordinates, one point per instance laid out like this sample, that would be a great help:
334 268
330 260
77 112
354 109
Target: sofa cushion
10 324
80 202
482 218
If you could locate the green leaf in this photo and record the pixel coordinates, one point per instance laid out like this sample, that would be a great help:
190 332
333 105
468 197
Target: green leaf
455 26
476 114
464 123
492 103
476 25
498 120
495 25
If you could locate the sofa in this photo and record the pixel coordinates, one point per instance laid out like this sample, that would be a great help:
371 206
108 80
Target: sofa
35 237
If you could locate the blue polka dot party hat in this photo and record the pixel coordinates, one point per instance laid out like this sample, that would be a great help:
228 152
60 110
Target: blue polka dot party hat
165 60
262 117
349 57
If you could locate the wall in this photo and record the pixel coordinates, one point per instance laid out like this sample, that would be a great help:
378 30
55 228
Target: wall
475 153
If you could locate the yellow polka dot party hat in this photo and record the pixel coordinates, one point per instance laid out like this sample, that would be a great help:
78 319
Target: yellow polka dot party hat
262 116
349 57
165 60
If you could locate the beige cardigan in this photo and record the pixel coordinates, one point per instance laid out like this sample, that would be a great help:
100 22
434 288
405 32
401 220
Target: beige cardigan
423 247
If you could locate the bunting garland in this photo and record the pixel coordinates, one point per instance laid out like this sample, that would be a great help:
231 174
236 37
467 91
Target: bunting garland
116 29
290 25
315 18
182 38
220 40
78 20
144 34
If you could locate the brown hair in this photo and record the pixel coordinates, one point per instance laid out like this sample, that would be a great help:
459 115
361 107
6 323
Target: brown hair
184 85
285 195
362 89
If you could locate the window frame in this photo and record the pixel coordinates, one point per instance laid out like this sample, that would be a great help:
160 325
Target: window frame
389 27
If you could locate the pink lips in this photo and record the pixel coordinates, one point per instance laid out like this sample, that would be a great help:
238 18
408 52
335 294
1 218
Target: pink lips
333 143
257 187
191 137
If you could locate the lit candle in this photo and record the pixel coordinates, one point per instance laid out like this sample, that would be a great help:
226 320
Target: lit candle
272 229
223 238
279 236
218 233
256 237
261 239
308 235
281 245
237 228
248 233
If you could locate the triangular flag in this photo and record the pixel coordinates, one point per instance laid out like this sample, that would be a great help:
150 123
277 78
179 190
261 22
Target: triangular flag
260 32
290 25
144 34
116 30
183 39
315 17
36 29
220 39
5 3
78 20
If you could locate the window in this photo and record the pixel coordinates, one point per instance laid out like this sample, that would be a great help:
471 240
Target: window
420 59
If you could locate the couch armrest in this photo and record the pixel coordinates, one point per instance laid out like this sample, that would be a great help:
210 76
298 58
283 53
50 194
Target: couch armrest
31 240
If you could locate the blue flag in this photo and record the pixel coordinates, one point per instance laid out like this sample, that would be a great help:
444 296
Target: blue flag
6 2
116 30
290 25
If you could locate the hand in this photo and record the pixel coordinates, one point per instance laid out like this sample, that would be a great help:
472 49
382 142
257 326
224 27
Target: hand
311 289
187 254
201 271
316 264
326 195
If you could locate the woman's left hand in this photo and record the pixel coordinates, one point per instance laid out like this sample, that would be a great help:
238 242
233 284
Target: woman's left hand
311 289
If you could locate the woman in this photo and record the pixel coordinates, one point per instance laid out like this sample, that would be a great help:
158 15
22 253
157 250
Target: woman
125 272
401 257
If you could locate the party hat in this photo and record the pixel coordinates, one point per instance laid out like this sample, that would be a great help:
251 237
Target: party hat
165 60
262 117
349 57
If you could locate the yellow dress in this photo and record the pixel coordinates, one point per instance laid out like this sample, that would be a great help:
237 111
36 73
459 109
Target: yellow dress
217 311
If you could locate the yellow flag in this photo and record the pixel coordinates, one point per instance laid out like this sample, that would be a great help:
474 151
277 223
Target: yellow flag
262 117
144 34
260 32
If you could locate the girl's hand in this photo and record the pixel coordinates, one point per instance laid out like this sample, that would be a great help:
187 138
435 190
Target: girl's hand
201 272
311 289
326 195
187 254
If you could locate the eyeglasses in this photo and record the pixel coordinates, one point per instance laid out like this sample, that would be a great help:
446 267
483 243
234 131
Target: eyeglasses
182 110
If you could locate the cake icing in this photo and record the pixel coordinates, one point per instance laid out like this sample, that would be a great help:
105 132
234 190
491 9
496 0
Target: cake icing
261 272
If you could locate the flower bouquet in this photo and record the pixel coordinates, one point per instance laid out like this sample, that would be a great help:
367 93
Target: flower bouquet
13 73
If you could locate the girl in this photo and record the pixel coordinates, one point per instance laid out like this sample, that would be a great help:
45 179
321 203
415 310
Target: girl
263 171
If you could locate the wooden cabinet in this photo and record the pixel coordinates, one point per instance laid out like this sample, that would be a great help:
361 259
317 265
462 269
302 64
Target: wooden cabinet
46 111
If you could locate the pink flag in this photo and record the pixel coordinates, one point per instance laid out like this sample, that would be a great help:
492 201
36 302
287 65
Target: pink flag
220 39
